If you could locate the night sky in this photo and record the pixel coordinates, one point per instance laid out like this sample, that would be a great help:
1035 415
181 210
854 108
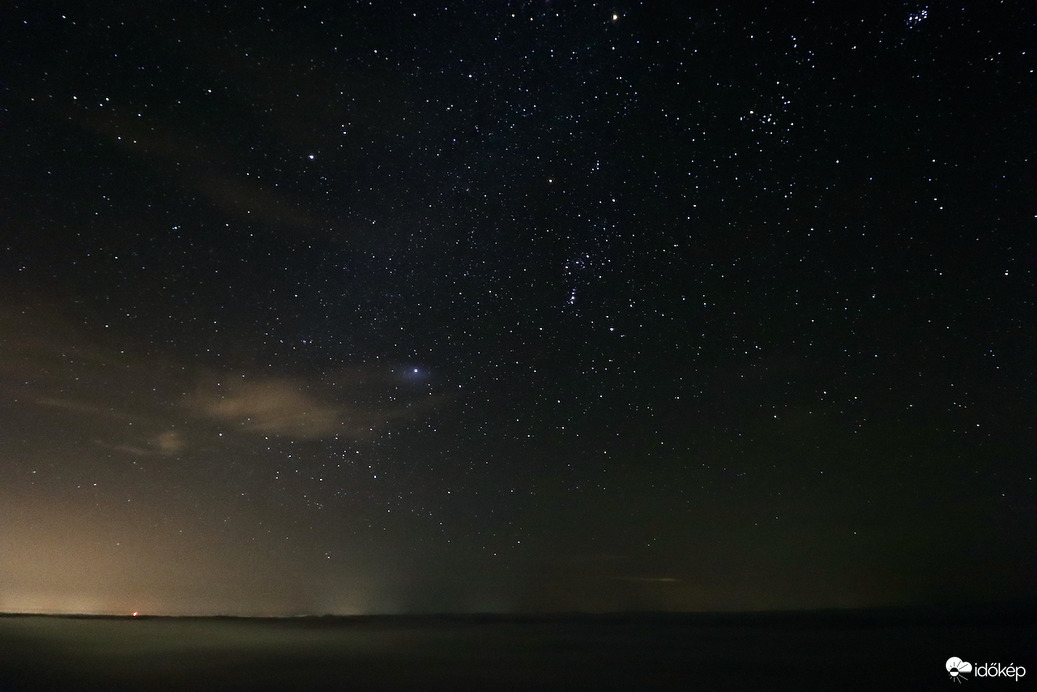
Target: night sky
382 307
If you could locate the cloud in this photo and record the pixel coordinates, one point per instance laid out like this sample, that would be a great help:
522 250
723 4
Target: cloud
192 155
124 449
166 444
134 405
282 407
169 442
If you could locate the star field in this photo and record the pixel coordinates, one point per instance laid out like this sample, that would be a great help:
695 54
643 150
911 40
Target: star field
384 307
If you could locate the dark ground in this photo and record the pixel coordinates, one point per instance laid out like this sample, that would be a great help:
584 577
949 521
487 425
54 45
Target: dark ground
861 650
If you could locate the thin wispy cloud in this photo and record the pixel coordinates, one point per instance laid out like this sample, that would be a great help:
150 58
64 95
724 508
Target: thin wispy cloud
167 444
282 407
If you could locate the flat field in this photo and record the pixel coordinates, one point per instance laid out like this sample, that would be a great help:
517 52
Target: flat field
857 650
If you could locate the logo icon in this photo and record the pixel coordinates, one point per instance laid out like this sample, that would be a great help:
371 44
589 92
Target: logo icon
957 668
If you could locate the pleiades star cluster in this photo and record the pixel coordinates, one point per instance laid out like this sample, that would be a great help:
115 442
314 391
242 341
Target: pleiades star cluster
393 307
